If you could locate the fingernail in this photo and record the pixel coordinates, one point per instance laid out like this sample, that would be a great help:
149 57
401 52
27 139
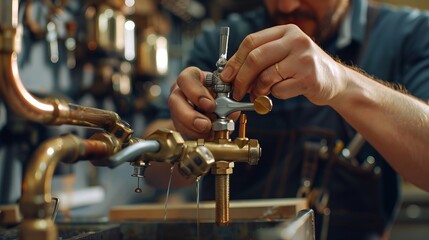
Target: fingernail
226 73
201 125
206 104
236 95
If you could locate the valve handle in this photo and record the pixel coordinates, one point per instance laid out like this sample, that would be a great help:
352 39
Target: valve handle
225 106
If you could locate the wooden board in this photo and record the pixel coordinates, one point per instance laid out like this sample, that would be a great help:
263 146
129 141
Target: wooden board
239 210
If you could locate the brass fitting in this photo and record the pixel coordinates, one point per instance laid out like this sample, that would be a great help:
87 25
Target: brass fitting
226 153
240 150
172 146
197 162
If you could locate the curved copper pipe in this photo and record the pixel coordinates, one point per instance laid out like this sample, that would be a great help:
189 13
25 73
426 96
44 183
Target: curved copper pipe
17 97
46 111
35 202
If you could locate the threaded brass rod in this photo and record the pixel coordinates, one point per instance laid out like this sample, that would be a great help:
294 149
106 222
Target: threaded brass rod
222 199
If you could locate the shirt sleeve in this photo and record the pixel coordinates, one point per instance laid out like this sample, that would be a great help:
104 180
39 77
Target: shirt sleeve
398 50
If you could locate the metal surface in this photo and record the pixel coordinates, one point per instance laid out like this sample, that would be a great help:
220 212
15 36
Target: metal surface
225 106
222 170
299 228
263 105
196 163
133 151
223 46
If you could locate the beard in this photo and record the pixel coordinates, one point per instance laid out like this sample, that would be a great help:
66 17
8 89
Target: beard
323 27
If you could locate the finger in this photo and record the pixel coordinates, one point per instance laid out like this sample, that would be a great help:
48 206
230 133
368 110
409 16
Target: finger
264 82
190 82
234 116
288 88
257 61
250 43
186 119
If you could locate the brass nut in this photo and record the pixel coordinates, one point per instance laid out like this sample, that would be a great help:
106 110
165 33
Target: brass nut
222 167
254 151
171 145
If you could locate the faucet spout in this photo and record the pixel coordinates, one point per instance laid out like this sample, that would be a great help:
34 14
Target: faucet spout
133 151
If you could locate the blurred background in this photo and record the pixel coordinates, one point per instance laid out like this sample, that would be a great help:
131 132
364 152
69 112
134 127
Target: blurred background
120 56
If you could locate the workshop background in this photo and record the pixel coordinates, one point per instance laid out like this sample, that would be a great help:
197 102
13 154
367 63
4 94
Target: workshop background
61 56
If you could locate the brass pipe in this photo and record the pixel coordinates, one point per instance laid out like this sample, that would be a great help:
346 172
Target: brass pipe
232 151
35 202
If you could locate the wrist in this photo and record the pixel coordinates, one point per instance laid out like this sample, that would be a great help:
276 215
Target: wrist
358 90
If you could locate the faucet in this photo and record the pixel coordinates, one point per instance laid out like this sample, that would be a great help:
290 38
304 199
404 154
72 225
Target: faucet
222 127
197 157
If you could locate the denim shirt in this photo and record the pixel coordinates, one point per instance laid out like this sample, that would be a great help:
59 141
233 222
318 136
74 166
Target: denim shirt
391 44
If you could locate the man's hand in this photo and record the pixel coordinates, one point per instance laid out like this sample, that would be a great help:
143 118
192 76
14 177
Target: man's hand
187 94
285 62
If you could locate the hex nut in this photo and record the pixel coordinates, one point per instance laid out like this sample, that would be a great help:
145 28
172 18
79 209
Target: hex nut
223 125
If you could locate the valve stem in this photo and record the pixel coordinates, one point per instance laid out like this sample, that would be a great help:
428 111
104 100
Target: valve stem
223 48
242 128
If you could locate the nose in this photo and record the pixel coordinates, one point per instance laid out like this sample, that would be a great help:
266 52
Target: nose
288 6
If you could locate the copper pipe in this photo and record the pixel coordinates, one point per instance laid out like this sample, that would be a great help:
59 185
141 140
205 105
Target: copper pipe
35 202
46 111
9 15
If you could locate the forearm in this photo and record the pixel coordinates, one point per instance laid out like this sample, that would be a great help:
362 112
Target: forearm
396 124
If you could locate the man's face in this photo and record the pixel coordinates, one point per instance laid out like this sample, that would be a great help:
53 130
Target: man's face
317 18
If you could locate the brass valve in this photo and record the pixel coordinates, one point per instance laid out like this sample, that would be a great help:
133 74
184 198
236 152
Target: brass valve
196 158
222 126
